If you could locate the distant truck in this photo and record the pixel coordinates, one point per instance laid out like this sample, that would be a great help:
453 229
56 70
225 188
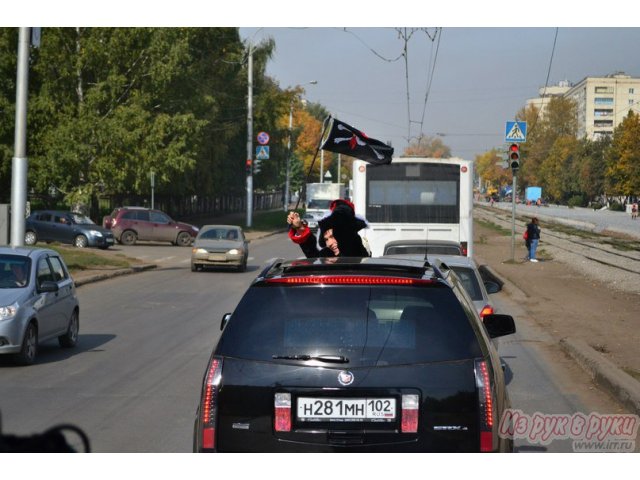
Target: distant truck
319 197
533 194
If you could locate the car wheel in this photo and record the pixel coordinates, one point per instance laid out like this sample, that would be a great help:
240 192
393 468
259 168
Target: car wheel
30 237
81 241
128 237
70 338
184 239
194 267
29 349
243 266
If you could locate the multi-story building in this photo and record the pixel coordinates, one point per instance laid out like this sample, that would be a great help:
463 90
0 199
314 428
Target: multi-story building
546 94
602 102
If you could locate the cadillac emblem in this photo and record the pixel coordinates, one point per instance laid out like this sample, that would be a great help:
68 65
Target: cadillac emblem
345 378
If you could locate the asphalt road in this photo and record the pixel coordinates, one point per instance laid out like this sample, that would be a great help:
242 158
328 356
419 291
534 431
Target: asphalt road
133 383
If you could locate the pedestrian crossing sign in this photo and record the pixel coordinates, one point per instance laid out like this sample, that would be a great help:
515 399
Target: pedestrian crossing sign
516 132
262 152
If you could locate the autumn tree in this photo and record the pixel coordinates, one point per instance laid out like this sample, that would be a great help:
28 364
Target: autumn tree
557 121
426 146
623 158
489 167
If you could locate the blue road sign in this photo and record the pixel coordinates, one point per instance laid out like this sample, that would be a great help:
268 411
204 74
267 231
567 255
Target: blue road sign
262 152
515 132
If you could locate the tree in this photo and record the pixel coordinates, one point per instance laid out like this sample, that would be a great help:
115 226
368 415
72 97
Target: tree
556 172
623 158
426 146
591 166
489 168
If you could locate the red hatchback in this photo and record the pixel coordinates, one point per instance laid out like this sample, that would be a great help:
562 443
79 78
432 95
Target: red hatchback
130 224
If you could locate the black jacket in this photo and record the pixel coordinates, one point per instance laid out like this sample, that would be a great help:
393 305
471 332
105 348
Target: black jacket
533 231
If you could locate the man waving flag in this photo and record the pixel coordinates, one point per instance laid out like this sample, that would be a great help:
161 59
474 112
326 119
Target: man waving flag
344 139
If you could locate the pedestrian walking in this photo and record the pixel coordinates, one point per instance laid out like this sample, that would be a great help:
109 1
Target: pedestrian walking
533 238
634 211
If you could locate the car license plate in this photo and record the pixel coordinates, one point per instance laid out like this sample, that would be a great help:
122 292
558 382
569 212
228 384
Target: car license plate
109 240
346 409
217 258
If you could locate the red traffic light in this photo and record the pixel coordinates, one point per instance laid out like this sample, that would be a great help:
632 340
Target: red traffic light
514 155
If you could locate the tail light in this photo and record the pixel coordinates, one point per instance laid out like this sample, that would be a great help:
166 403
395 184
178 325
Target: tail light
410 409
487 310
465 249
209 403
282 413
487 406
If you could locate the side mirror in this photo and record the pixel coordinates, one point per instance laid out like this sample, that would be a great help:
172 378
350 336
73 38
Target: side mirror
492 287
499 325
48 286
225 319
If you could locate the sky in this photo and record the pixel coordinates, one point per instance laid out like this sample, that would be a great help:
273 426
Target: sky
488 59
480 78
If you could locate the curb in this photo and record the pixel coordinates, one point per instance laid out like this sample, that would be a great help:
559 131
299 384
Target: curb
113 273
621 385
608 376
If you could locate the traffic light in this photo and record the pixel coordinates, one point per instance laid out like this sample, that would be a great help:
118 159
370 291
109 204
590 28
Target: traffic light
256 165
247 166
514 156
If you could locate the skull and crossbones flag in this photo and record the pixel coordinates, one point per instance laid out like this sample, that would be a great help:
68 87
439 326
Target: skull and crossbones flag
344 139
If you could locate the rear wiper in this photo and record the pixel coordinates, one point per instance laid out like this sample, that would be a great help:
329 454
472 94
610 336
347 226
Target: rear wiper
321 358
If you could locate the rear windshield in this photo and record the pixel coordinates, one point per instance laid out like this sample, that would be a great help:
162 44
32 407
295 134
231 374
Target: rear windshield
378 325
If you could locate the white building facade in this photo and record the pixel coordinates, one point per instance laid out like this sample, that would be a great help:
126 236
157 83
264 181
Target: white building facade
602 102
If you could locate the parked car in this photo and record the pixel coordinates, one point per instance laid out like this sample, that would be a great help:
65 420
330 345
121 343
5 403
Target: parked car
65 227
220 246
431 247
38 302
130 224
346 354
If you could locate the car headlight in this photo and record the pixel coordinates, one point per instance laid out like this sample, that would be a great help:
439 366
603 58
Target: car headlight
199 250
95 233
9 311
195 229
235 251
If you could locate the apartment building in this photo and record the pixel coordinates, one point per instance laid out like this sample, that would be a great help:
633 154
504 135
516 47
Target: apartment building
546 94
602 102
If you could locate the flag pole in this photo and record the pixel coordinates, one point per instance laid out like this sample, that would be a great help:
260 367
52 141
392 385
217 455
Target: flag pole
315 156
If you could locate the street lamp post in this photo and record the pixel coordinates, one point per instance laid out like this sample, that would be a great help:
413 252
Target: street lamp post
288 168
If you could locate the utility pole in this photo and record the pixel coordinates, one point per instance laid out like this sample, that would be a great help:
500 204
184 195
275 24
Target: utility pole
250 137
20 164
288 167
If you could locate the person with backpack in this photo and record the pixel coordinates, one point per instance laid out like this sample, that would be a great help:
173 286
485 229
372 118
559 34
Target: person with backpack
533 238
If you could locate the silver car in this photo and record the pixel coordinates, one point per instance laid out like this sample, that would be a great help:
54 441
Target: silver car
220 246
38 302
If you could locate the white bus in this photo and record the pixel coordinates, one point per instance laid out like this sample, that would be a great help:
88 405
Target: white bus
415 198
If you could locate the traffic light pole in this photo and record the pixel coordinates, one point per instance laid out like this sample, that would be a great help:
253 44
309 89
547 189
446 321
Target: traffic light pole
513 214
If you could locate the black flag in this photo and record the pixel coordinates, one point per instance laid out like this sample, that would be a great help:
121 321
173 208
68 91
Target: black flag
343 138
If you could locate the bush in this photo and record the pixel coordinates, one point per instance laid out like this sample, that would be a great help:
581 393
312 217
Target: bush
616 207
576 201
596 205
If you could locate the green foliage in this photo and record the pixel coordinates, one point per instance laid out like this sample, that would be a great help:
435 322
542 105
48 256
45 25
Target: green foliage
616 207
623 158
108 105
576 201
